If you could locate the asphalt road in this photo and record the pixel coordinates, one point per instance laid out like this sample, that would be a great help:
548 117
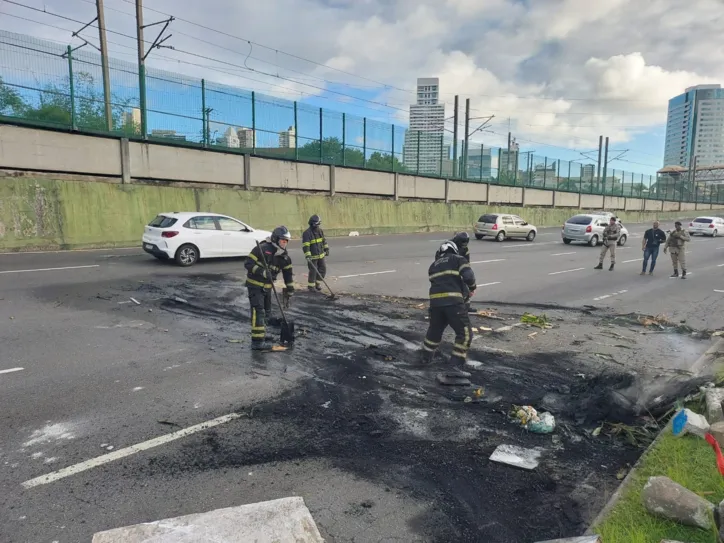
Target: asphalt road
85 370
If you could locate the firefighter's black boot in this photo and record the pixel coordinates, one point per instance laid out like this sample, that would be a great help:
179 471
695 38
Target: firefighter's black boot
260 345
599 267
426 357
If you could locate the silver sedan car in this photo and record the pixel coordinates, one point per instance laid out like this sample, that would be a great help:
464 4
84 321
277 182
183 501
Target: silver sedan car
502 226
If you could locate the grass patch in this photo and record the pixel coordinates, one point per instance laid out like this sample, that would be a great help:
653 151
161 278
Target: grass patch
689 461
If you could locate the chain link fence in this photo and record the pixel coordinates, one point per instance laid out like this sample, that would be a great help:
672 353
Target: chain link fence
49 85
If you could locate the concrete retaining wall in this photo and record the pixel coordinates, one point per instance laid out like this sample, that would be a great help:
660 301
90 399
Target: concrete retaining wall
611 203
537 197
653 205
634 204
410 186
687 206
468 192
282 174
670 206
567 199
703 207
499 194
591 201
363 182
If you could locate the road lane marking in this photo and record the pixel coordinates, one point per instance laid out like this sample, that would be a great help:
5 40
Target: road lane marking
370 245
128 451
71 251
531 244
51 269
715 290
11 370
634 260
488 284
363 274
566 271
486 261
561 254
609 295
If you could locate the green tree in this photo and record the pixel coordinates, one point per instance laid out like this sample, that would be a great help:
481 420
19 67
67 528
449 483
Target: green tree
11 104
331 153
384 162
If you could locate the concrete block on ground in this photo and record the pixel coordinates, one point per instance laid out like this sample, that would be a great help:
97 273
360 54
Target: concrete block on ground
717 430
688 422
581 539
278 521
664 498
714 400
516 456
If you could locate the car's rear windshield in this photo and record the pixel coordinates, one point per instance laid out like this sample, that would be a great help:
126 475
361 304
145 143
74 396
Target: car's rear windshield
580 219
702 220
161 221
488 219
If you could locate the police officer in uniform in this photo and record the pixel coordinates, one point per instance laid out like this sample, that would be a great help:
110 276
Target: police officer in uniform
315 248
259 282
451 281
610 238
676 245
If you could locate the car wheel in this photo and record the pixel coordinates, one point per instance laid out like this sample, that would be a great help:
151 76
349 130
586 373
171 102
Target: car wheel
500 236
566 241
622 241
594 241
479 236
187 255
530 236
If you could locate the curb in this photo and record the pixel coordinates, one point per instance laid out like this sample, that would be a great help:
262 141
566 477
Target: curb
708 357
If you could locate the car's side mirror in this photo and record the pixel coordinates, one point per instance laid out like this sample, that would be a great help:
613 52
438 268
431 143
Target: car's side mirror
525 223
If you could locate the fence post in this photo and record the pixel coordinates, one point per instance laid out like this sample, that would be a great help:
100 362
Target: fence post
344 139
545 171
253 123
482 154
321 137
442 152
142 100
72 88
417 162
296 133
204 128
393 148
364 142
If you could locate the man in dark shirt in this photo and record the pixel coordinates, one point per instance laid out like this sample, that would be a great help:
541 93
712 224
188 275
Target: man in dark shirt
653 237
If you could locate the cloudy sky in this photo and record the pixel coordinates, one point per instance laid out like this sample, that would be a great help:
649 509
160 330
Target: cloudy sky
558 73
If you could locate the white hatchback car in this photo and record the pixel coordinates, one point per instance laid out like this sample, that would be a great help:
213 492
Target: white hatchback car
707 226
188 236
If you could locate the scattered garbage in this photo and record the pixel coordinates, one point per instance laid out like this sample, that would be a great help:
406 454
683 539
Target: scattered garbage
508 328
531 420
664 498
688 422
659 321
711 440
541 321
489 314
234 341
475 396
531 336
180 300
518 457
453 378
135 301
353 234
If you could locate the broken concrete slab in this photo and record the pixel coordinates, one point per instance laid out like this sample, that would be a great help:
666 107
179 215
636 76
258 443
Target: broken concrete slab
688 422
286 520
665 498
581 539
714 398
717 430
519 457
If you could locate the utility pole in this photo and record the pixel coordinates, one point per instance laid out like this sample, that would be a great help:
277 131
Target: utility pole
605 165
598 171
104 64
455 139
466 148
141 68
507 161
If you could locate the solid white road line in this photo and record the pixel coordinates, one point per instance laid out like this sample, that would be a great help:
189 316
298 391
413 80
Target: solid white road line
634 260
51 269
488 284
561 254
128 451
715 290
719 265
11 370
520 245
487 261
71 251
566 271
370 245
363 274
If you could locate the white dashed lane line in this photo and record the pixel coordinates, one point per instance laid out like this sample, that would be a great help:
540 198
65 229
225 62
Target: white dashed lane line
566 271
51 269
488 261
634 260
356 246
562 254
488 284
609 295
364 274
12 370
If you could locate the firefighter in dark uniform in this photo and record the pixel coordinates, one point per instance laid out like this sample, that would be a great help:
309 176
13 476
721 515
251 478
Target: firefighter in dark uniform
259 282
315 248
451 281
461 240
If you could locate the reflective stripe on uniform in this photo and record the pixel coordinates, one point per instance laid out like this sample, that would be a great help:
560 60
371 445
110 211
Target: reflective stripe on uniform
315 257
311 284
318 240
446 295
461 268
431 343
287 267
253 257
428 349
442 273
258 283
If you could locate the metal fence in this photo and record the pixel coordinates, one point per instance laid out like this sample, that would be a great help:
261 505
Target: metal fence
46 84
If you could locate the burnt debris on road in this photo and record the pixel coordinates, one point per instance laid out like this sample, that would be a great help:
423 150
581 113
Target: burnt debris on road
350 393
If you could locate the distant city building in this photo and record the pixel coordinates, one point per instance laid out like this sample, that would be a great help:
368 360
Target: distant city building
167 134
247 137
424 146
509 158
588 172
229 139
132 118
695 127
288 138
479 164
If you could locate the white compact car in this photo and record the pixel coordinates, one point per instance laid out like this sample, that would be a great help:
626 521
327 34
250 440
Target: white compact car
188 236
707 226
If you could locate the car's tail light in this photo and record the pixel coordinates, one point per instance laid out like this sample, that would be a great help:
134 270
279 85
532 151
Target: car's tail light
711 226
589 229
691 224
563 227
169 234
495 227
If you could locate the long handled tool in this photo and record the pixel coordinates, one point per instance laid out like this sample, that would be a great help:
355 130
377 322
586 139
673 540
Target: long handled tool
332 295
287 334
